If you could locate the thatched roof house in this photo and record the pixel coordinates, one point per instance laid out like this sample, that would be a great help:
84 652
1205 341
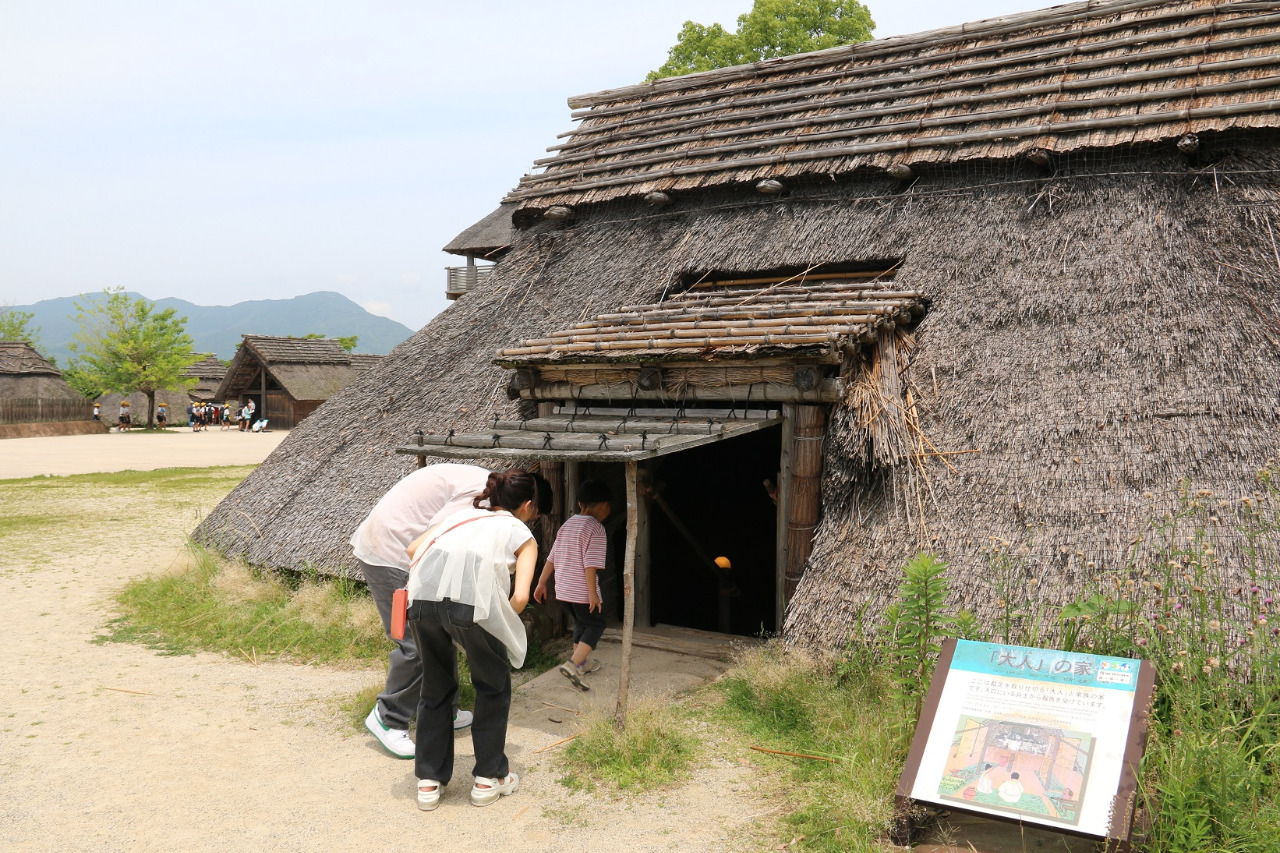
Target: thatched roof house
1016 279
288 378
25 373
208 373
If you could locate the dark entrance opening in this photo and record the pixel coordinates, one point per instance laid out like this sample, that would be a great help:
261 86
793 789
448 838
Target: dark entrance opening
717 491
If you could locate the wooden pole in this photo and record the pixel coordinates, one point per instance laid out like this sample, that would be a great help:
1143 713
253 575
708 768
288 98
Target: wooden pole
804 502
628 594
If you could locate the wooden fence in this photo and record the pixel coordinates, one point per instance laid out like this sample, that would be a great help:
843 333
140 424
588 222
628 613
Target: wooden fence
34 410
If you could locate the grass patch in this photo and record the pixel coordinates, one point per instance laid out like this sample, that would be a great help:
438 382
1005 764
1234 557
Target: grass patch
27 524
654 749
154 478
213 605
791 702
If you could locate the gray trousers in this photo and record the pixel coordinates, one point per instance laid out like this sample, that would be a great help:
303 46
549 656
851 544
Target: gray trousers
398 701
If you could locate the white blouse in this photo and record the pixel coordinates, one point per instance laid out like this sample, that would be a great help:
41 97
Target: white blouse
472 564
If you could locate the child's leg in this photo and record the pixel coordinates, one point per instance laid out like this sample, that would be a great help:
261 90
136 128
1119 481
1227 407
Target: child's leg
587 629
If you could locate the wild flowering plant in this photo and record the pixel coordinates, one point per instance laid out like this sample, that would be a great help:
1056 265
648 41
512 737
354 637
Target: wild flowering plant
1211 777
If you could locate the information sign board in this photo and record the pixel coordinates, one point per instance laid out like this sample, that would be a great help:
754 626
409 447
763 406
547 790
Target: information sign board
1038 736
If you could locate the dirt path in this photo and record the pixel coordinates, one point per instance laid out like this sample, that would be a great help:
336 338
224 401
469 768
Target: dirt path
115 747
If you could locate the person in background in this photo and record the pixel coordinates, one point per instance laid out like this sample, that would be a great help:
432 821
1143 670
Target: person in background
97 411
162 415
461 592
576 560
124 415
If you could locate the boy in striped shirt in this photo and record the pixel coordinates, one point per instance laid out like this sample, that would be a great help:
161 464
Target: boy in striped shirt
576 559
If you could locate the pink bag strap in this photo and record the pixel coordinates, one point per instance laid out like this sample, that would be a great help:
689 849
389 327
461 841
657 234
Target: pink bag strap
452 528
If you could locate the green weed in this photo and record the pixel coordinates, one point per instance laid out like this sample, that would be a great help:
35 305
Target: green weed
844 716
241 611
653 749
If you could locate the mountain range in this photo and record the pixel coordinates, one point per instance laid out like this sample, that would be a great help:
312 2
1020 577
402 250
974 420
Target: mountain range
217 328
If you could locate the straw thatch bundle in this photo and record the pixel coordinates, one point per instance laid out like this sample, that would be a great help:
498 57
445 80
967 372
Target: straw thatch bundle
1101 343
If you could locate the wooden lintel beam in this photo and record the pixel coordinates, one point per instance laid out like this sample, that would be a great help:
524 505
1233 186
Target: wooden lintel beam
827 391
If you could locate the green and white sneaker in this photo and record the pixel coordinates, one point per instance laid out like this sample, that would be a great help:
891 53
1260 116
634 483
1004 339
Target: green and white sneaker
394 741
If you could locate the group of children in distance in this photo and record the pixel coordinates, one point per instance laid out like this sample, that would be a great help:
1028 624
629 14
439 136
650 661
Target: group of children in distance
576 560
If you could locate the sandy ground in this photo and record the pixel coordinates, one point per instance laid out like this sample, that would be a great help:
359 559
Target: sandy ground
134 451
108 747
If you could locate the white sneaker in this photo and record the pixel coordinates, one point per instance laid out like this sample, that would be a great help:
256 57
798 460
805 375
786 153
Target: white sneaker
462 719
395 741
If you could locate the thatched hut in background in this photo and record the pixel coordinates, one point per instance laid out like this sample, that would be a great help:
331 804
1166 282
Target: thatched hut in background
24 372
1016 279
288 378
208 374
32 390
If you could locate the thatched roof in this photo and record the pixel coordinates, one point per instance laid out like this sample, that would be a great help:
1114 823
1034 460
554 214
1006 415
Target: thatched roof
306 368
488 238
208 373
1101 339
1067 78
365 361
817 318
19 358
26 374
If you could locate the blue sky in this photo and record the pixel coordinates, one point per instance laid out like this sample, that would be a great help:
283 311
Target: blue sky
253 149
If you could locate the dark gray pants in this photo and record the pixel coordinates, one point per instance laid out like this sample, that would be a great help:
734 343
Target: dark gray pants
436 626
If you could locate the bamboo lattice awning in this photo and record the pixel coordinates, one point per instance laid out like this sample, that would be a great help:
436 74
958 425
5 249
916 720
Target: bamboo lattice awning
1083 75
590 438
805 318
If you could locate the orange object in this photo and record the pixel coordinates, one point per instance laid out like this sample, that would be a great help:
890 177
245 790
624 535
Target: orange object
399 612
723 562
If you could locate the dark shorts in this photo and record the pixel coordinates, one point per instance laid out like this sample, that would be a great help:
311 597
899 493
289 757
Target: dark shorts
588 625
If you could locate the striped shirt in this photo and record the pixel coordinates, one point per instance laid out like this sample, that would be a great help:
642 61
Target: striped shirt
580 544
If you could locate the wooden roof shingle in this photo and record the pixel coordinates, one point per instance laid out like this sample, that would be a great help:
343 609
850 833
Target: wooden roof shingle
1083 75
816 318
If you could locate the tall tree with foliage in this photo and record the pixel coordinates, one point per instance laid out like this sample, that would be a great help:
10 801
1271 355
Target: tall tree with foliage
16 325
125 345
772 28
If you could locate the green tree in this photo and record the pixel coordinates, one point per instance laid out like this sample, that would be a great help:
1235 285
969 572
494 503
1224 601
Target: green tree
347 342
772 28
126 345
16 325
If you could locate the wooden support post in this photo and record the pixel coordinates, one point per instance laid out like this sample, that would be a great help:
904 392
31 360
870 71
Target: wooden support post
783 515
804 500
571 479
644 582
628 594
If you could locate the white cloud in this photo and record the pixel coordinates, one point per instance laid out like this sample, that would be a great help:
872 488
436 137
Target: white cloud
382 309
410 277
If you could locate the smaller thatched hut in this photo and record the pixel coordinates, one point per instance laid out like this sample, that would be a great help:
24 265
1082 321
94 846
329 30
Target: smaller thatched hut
24 372
32 390
288 378
208 373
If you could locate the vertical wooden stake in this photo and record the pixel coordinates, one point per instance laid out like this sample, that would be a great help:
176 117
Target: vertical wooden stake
628 594
804 503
